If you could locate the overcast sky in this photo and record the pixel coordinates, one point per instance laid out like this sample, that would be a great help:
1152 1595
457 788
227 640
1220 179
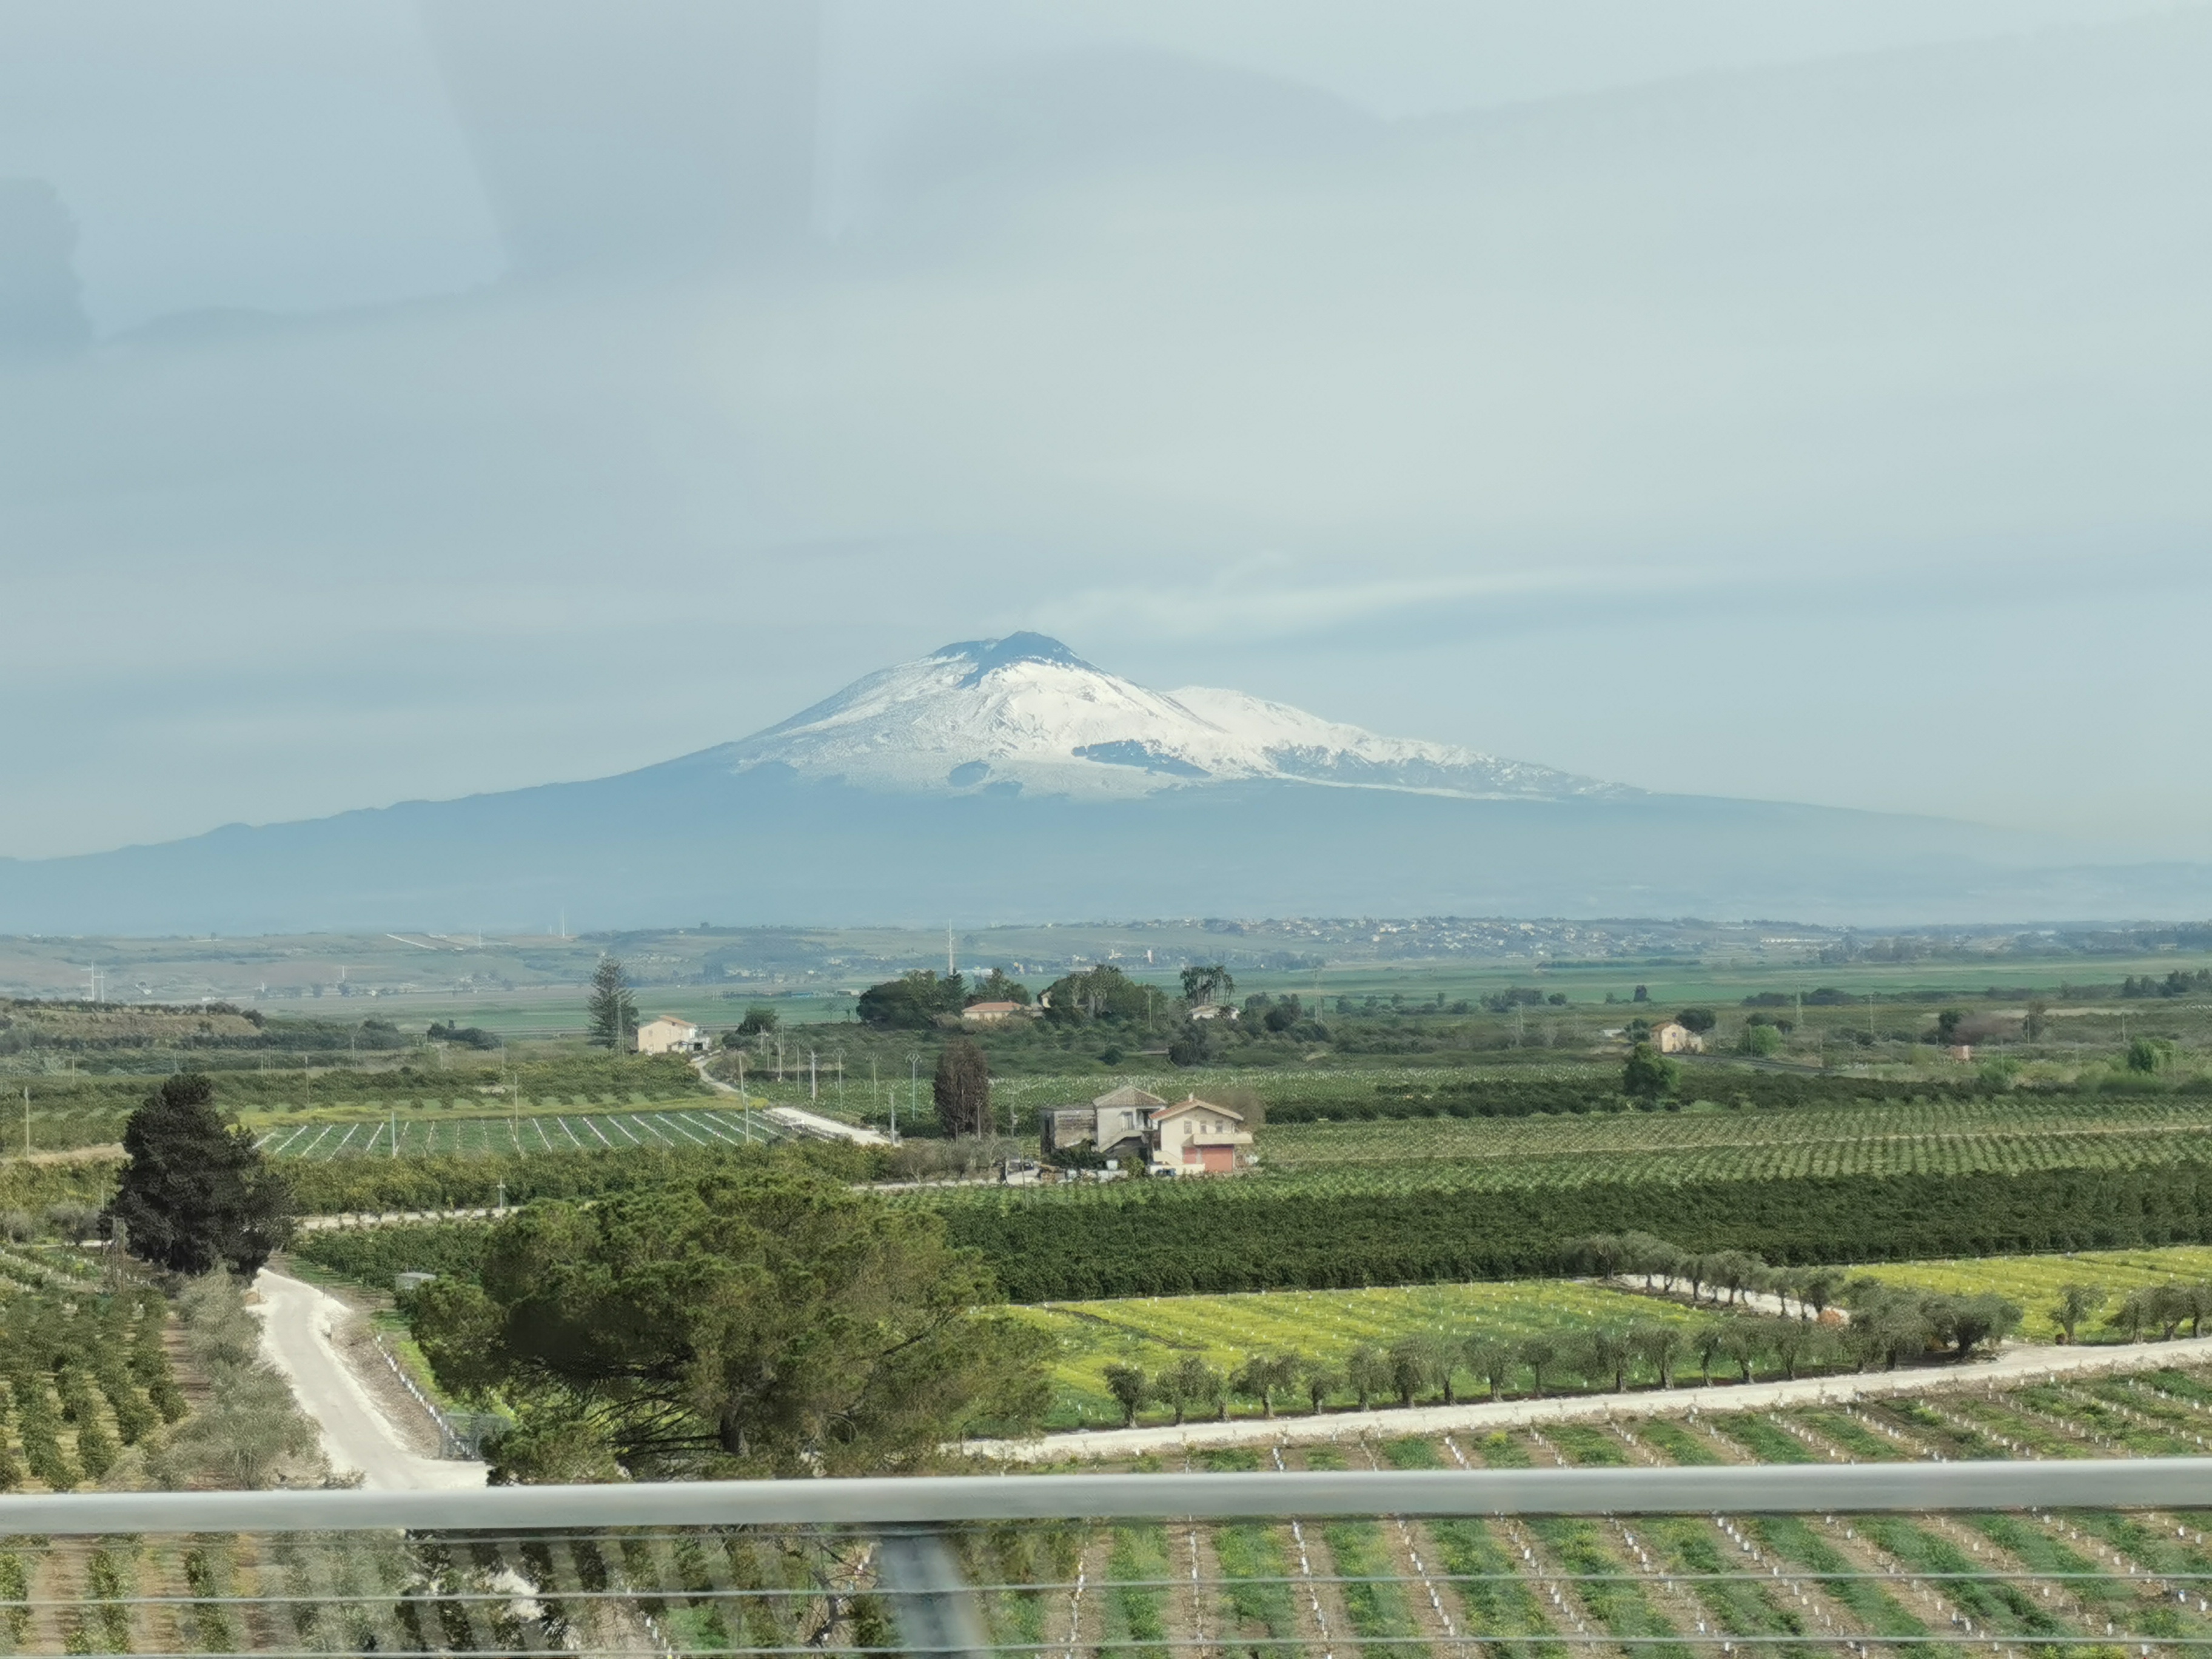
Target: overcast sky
1800 401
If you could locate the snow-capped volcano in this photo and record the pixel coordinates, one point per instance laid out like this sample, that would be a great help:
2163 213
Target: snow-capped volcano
1008 779
1025 714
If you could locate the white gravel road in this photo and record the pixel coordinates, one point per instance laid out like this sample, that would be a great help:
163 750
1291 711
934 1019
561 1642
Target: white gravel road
297 1320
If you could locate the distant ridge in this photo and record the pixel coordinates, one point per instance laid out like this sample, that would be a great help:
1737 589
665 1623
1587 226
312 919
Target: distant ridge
1008 780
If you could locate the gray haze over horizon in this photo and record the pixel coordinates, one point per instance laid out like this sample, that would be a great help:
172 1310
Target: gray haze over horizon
1799 402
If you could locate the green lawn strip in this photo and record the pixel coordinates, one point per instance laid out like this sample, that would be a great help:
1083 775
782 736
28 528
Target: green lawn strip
1614 1599
1993 1604
2178 1420
1498 1605
2100 1415
1500 1450
1853 1437
1495 1605
2104 1595
1945 1436
1790 1538
1762 1440
2153 1546
1693 1549
1677 1443
1136 1611
2182 1385
1254 1568
1738 1607
1581 1443
2149 1543
1026 1555
2041 1439
1378 1610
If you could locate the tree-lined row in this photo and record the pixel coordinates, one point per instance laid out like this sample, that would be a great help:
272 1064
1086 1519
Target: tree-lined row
1597 1089
1889 1326
1158 1239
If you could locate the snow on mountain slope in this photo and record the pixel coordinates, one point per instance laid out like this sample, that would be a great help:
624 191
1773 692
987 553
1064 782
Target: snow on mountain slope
1026 714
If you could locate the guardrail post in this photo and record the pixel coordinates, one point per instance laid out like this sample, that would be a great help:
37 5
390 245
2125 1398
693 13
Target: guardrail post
935 1609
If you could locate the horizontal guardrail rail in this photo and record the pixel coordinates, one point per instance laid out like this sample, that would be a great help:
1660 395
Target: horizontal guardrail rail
1780 1489
1707 1561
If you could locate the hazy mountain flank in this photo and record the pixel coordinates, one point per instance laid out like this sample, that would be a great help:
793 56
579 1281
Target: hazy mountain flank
1005 780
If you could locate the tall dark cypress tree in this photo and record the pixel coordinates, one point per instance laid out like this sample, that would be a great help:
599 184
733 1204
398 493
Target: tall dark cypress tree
961 1089
196 1193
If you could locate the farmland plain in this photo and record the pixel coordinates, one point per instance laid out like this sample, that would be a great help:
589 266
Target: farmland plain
611 1130
1152 1332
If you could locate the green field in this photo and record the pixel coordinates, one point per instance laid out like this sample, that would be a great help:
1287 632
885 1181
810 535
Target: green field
1542 1587
2001 1132
2033 1281
2002 1135
612 1131
83 1374
1152 1331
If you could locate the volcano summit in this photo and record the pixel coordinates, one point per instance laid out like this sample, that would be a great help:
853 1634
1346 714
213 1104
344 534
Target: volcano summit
1000 780
1026 715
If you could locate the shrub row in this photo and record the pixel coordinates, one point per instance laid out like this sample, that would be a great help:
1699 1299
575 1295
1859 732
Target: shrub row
1155 1241
374 1255
343 1185
1149 1241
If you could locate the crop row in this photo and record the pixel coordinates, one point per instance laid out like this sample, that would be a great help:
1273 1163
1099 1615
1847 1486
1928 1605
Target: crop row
1662 1131
1537 1587
81 1376
1529 1587
607 1132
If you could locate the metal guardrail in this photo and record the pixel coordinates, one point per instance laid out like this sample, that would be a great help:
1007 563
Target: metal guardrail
1505 1563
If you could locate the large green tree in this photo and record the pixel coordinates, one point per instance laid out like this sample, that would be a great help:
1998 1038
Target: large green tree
196 1193
1102 993
912 1002
1204 983
1649 1076
961 1089
613 1010
768 1324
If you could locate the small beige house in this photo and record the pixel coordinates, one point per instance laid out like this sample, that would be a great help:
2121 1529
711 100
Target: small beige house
666 1033
994 1013
1676 1038
1196 1137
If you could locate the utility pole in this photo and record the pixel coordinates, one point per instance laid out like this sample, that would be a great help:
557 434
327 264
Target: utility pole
813 1090
395 1128
913 1093
949 969
27 1120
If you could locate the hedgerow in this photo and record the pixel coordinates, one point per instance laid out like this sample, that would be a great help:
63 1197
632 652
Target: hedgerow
1160 1239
